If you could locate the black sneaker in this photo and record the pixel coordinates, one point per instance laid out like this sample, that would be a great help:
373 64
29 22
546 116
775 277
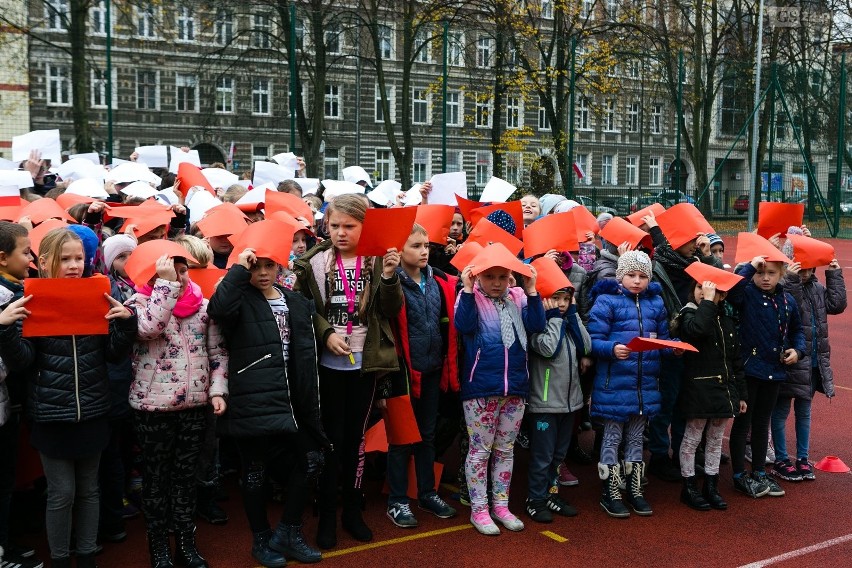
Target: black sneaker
775 490
523 440
539 510
12 560
437 506
560 507
400 514
805 469
786 471
744 483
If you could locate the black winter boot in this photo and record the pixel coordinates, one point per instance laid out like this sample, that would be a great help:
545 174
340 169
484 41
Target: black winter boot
186 553
610 494
351 518
289 541
158 550
86 560
711 492
263 554
690 495
634 496
60 562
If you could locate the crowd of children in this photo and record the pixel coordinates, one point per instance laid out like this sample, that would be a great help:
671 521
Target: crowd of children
290 348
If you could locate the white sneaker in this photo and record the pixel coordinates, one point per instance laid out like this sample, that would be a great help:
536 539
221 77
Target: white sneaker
483 523
510 521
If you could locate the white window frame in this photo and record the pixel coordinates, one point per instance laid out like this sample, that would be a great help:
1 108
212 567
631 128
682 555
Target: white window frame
391 96
543 120
384 166
609 121
156 75
334 33
97 18
631 170
225 27
190 94
57 15
587 9
455 161
583 114
300 34
257 156
332 104
225 94
634 110
484 52
421 165
185 24
421 101
514 112
612 9
484 167
331 159
259 93
145 19
261 30
609 168
58 80
485 108
634 69
455 109
98 88
386 41
423 37
657 118
585 163
513 163
655 171
547 9
455 49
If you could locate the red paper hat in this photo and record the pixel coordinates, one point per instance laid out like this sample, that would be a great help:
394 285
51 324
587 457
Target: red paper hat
466 206
149 207
486 232
38 233
287 202
43 209
436 219
190 175
271 238
513 208
584 222
832 464
207 279
141 265
223 220
287 218
774 218
12 212
549 277
811 253
385 228
682 223
636 218
69 200
723 279
555 231
618 231
495 255
750 245
467 252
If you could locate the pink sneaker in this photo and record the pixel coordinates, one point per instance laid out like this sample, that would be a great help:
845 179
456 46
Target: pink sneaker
483 523
566 478
501 513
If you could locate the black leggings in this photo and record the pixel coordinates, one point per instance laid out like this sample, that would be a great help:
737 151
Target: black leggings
762 396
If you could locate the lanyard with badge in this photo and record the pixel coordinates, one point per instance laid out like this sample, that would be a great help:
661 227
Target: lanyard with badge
350 292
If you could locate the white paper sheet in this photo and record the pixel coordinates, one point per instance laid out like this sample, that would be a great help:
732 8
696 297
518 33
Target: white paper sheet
334 187
220 178
497 191
413 196
155 156
385 193
446 186
288 160
267 172
167 196
8 164
91 157
178 157
133 171
79 168
354 174
199 203
308 185
47 141
139 189
19 178
88 187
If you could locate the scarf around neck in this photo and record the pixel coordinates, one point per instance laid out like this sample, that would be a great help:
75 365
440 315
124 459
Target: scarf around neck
188 304
510 320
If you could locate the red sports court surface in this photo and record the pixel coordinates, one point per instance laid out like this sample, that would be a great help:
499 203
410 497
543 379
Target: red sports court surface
810 526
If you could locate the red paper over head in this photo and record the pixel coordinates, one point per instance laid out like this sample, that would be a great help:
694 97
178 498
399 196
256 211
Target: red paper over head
467 252
207 279
38 233
811 253
556 231
774 218
384 229
636 218
584 222
189 175
497 255
513 208
141 265
436 219
276 201
222 221
272 238
618 231
486 232
549 277
682 223
750 245
43 209
723 279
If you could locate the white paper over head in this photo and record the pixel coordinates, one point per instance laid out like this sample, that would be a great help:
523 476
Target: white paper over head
45 141
178 156
497 191
139 189
133 171
446 186
19 178
10 191
200 202
220 178
413 195
308 185
167 196
119 161
88 187
246 183
334 187
385 193
268 172
255 195
91 156
155 156
79 168
354 174
8 164
287 159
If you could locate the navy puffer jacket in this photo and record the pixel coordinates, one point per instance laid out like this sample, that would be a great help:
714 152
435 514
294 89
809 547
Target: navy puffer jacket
626 387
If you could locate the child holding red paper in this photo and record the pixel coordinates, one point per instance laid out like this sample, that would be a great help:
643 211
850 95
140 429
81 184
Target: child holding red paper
495 320
355 298
625 392
179 366
426 340
69 402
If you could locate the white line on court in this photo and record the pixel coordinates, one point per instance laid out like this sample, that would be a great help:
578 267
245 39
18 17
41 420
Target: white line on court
800 552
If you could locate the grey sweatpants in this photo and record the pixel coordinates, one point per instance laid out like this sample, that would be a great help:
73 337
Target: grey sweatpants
72 488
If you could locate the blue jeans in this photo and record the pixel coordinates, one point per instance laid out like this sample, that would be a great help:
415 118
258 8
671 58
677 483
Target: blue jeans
426 414
802 411
550 436
671 371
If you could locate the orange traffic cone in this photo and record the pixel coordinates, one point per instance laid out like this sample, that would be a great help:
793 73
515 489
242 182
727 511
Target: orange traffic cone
832 464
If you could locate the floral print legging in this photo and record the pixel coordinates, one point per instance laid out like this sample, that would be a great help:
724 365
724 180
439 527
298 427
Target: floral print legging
492 425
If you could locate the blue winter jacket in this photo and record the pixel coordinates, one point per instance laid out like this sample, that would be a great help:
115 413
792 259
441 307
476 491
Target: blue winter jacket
762 338
626 387
489 368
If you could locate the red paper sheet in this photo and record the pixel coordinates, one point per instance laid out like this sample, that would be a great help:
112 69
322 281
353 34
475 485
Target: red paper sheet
376 438
648 344
400 424
384 229
556 231
207 278
66 306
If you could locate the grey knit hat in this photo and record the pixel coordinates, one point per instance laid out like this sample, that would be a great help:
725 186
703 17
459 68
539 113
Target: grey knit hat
787 247
633 260
548 201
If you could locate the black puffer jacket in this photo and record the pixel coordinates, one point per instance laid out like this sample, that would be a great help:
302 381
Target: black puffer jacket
714 378
264 399
816 302
71 383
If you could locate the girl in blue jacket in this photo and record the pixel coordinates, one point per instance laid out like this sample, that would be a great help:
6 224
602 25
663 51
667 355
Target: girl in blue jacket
494 320
626 392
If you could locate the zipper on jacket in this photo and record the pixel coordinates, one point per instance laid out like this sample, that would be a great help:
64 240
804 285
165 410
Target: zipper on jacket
189 365
608 373
475 363
546 384
250 365
505 371
641 334
725 364
76 378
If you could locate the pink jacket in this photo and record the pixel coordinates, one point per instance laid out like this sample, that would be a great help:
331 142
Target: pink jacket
177 362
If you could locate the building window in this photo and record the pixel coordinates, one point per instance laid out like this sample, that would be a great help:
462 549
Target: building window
455 49
225 95
332 101
483 167
145 22
260 152
332 39
455 161
514 112
185 24
186 91
484 50
421 45
224 26
731 105
386 46
634 69
513 162
543 119
261 31
97 17
454 108
587 10
58 85
56 15
612 10
609 116
547 9
483 113
331 163
655 170
300 34
384 165
98 88
584 162
420 166
390 94
147 90
608 169
631 170
261 97
633 117
419 106
582 114
656 118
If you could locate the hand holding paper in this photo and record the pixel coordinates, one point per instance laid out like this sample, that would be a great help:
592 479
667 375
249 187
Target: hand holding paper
15 311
